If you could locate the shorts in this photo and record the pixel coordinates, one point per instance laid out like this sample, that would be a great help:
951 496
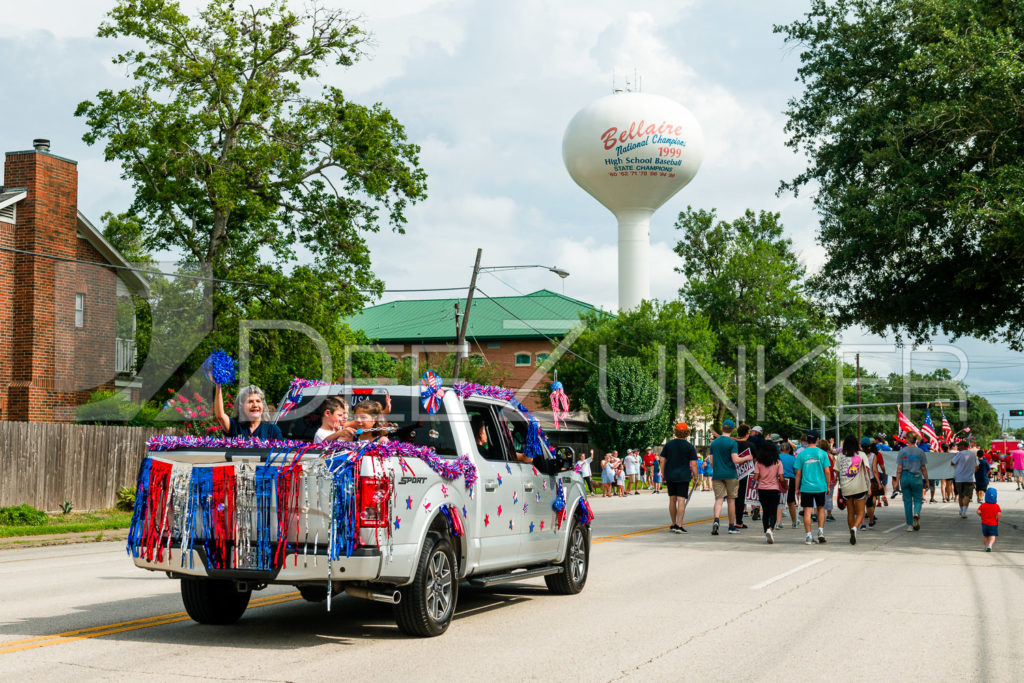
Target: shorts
857 496
631 477
1018 473
884 479
679 489
987 530
812 500
963 489
791 493
726 488
657 477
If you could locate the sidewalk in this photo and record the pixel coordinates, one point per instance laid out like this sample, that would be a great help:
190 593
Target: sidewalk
63 539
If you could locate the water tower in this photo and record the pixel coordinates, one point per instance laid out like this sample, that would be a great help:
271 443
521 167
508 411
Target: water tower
632 151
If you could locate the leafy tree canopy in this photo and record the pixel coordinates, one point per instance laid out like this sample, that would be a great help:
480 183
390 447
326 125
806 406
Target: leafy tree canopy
913 122
242 161
743 277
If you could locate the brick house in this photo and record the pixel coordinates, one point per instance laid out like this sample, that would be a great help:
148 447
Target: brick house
516 333
60 283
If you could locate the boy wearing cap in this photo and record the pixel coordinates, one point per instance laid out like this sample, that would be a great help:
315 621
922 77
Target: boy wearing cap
725 456
679 465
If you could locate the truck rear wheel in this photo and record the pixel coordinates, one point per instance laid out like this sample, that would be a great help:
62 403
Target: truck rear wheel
428 603
313 593
213 601
576 564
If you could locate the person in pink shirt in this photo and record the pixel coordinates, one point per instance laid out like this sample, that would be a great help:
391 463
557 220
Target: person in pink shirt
1018 465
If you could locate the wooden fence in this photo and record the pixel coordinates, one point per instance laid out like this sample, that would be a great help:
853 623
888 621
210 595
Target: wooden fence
45 464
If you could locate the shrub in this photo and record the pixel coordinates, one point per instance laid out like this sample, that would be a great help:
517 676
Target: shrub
126 499
21 515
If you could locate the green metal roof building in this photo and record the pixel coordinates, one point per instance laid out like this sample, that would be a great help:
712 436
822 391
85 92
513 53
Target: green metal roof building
538 315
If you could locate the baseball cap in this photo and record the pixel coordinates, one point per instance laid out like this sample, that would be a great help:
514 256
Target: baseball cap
729 423
812 435
756 429
866 441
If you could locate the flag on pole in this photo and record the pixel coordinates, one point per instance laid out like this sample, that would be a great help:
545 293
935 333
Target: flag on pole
928 430
905 425
947 430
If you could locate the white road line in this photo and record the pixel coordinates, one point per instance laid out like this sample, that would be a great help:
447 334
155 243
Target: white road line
898 526
785 574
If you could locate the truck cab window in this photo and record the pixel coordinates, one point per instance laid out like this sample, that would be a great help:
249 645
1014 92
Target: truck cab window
486 434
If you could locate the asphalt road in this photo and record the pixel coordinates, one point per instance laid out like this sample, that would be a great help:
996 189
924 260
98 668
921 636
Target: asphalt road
657 606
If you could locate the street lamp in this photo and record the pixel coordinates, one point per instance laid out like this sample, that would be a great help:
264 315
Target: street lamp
461 340
554 269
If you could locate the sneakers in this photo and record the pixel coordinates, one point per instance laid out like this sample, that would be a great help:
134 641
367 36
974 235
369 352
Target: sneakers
910 527
769 537
963 515
733 530
821 537
864 526
885 501
676 529
779 526
853 537
741 525
794 525
988 549
714 528
682 530
755 515
917 523
809 540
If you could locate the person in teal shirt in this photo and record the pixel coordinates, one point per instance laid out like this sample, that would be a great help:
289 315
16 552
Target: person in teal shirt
812 475
724 455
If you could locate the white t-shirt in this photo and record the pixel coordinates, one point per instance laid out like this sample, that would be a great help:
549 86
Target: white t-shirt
585 467
322 434
631 464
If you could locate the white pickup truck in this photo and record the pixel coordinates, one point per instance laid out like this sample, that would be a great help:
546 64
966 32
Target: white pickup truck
402 523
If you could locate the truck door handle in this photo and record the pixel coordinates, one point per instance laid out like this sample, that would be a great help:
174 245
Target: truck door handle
490 485
529 486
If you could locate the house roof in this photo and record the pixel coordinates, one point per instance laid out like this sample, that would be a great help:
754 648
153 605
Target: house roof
532 316
126 272
11 195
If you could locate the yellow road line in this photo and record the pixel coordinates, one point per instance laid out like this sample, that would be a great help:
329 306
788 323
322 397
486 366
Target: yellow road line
121 627
643 532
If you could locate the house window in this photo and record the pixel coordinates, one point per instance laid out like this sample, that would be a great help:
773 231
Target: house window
476 359
522 359
541 357
494 345
79 310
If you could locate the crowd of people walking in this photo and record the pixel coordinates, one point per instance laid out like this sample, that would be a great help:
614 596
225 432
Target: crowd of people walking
767 477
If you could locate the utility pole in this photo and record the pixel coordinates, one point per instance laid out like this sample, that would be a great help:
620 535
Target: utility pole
858 398
461 340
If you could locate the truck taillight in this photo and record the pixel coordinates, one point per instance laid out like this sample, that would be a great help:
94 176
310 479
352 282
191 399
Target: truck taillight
373 501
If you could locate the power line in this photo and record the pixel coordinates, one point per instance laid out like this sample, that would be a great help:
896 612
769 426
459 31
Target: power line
67 259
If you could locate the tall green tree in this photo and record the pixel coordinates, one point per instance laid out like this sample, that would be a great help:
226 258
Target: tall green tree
616 406
743 277
652 333
913 123
242 160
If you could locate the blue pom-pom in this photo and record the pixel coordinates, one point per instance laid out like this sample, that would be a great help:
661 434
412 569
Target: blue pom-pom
220 368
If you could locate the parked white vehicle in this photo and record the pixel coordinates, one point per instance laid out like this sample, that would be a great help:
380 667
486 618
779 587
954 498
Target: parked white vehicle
402 523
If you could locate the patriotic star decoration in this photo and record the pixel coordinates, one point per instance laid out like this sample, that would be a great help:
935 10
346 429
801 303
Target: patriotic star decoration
426 506
538 496
487 520
526 507
531 527
398 522
499 511
464 514
508 467
542 525
499 480
511 525
515 497
444 490
408 503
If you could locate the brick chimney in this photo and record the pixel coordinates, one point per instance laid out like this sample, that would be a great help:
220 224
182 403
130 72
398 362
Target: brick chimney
47 223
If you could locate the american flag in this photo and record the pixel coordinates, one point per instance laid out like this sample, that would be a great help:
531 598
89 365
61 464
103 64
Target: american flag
905 425
947 430
928 430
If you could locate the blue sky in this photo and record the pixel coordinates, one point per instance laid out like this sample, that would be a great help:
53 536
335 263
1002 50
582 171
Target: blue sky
486 89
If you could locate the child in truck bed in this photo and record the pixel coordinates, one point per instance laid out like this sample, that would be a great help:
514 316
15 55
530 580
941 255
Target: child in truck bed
332 422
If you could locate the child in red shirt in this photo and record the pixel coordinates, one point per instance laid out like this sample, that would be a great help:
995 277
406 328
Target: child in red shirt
990 514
